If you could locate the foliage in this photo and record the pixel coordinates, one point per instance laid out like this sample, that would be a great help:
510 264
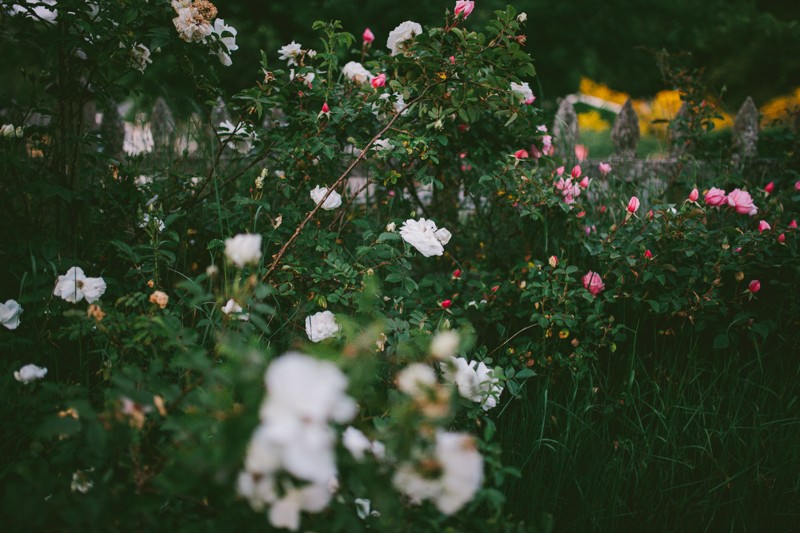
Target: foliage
149 415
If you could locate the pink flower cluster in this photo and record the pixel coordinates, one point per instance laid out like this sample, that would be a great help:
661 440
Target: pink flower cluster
738 199
570 188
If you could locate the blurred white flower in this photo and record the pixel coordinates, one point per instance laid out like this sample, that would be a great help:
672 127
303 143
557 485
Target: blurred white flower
416 379
445 344
320 326
232 308
462 470
332 202
522 17
290 53
391 227
399 37
304 395
356 442
423 235
243 249
355 72
44 10
29 373
364 508
382 145
74 286
9 314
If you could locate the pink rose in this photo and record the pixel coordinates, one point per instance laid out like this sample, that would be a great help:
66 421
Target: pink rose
445 304
763 226
521 154
604 168
633 204
769 187
553 261
648 254
584 182
715 197
797 185
694 195
742 202
378 81
325 108
576 171
754 286
793 224
368 36
782 238
452 60
560 170
464 8
593 283
581 152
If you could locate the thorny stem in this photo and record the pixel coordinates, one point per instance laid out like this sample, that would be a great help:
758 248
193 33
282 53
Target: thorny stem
338 182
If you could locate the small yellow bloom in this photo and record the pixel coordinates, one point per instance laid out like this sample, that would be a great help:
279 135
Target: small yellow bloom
563 334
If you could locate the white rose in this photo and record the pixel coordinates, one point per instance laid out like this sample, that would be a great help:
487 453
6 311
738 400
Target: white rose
355 72
9 314
522 17
320 326
416 379
523 91
399 36
333 201
462 470
423 235
29 373
74 286
290 53
243 249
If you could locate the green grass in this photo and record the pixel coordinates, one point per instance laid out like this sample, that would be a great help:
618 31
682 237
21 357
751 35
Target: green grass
691 440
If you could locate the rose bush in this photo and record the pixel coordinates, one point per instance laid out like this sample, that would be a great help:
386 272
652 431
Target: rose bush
264 349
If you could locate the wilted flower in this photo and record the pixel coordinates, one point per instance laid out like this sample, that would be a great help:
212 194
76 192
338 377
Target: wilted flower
423 235
9 314
399 37
355 72
192 26
715 197
74 286
243 249
593 283
523 91
320 326
140 56
29 373
290 53
742 202
333 201
159 298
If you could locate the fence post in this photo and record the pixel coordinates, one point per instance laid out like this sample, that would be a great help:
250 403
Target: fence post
112 129
745 132
625 132
565 129
162 124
